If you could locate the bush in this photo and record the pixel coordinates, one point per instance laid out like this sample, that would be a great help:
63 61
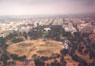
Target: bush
16 57
15 40
44 58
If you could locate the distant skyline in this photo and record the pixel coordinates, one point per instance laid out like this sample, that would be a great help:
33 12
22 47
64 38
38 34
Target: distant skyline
46 7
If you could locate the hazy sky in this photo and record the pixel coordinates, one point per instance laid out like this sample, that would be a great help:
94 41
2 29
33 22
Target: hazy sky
46 7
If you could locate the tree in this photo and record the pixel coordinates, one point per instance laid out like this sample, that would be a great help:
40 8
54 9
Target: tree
91 55
86 51
2 41
64 52
67 34
77 34
35 34
16 40
11 35
25 35
78 59
55 32
55 63
62 60
43 58
72 52
38 62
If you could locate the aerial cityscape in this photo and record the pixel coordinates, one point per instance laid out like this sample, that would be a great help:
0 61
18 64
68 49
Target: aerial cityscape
47 41
47 32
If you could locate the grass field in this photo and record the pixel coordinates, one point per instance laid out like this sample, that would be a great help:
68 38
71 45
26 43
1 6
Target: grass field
39 47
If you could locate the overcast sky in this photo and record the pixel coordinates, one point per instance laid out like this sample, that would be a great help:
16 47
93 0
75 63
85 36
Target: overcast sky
46 7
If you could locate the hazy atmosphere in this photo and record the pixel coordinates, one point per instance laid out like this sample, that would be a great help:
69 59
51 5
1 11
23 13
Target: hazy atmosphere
46 7
47 32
